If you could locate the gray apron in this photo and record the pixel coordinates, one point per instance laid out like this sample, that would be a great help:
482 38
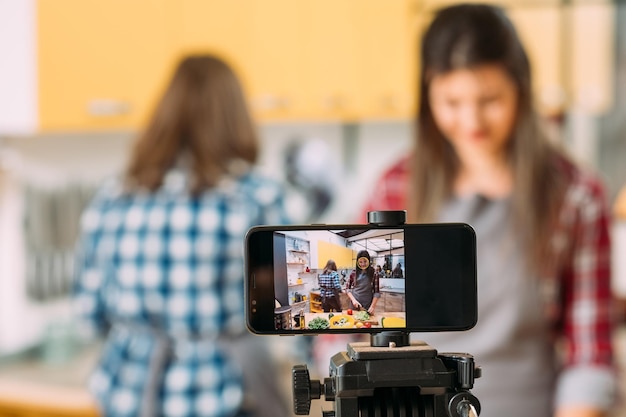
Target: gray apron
362 290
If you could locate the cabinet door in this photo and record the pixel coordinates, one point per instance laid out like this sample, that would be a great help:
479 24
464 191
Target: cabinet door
315 302
359 58
101 64
277 79
331 42
545 49
394 302
385 58
381 305
322 59
222 27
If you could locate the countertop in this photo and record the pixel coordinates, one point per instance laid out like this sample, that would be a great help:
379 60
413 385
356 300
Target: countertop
30 386
392 290
382 289
375 320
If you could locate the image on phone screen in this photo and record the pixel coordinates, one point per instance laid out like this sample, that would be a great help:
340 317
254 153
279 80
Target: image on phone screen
360 278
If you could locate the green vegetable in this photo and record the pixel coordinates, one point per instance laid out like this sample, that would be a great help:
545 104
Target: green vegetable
362 315
319 323
330 316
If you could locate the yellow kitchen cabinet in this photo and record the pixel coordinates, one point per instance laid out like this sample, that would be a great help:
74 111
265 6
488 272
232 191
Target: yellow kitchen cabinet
386 58
358 58
331 44
277 80
310 59
570 47
540 30
101 64
315 300
223 27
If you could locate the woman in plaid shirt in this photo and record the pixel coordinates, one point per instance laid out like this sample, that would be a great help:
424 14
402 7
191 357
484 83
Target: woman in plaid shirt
330 287
160 267
544 328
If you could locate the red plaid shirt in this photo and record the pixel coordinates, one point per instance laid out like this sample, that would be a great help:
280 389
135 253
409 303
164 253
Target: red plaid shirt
579 293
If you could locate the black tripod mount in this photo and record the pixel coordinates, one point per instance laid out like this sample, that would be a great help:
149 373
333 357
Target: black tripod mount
399 379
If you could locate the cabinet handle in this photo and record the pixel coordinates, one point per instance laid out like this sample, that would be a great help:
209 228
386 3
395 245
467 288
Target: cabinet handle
271 102
104 107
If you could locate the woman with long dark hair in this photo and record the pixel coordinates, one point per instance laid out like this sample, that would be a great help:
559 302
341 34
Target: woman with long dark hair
480 156
363 284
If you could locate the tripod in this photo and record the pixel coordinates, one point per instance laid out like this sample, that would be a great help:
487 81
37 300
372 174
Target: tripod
390 377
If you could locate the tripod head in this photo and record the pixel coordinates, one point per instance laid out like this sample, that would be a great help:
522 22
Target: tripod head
410 380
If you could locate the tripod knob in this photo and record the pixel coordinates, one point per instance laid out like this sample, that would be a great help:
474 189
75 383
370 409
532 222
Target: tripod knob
463 364
304 390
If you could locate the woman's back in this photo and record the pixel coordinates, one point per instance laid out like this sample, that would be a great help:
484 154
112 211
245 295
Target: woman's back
165 271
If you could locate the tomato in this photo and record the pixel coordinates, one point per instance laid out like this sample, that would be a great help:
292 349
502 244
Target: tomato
367 324
349 311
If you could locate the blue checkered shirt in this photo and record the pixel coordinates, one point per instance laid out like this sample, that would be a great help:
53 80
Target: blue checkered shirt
329 284
161 274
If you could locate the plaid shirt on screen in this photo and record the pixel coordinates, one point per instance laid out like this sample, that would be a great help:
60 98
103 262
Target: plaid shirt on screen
329 284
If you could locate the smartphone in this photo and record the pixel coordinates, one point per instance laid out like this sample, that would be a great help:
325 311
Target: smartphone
420 278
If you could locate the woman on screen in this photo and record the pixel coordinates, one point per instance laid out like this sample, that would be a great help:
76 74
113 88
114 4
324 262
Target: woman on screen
363 289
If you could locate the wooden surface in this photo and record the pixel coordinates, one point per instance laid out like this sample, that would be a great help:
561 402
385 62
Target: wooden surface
37 399
33 387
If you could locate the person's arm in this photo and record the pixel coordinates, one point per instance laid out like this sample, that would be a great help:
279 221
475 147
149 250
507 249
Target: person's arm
89 276
336 281
586 386
372 308
376 291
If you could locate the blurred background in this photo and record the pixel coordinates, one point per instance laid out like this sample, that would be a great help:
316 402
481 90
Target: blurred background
332 87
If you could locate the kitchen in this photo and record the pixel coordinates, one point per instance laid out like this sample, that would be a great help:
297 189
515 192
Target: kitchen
305 255
359 114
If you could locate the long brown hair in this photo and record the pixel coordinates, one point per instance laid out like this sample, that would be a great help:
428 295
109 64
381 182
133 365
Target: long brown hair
331 265
203 115
466 36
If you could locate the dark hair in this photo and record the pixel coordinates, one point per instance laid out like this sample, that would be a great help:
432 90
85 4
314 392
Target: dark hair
203 115
370 269
467 36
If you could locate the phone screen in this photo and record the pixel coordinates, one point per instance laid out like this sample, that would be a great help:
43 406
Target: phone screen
360 278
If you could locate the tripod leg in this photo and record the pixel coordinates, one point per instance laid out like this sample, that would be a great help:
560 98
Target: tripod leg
348 407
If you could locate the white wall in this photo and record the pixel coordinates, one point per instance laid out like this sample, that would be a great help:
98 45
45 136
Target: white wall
18 68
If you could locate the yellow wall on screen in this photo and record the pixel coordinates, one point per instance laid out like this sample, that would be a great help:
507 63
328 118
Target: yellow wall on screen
343 257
